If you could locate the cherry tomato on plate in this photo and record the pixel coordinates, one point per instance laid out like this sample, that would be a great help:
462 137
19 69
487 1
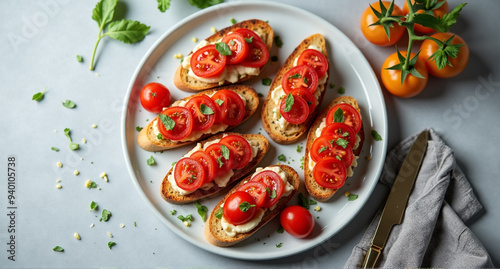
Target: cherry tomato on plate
314 59
258 54
241 150
189 174
298 112
208 164
207 62
223 160
326 146
257 190
330 173
203 110
412 85
230 106
239 208
239 47
175 123
376 33
300 77
457 64
297 221
350 114
437 12
154 97
274 186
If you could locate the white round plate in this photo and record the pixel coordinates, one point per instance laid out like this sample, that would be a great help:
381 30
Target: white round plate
349 69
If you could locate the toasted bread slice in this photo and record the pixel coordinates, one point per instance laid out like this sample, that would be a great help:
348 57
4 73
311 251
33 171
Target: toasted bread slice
270 109
188 83
148 140
316 191
172 196
213 228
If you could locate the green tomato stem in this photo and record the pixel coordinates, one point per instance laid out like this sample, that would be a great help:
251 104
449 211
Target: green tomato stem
99 36
411 35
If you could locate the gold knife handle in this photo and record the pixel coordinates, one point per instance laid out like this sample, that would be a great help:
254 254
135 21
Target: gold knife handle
372 256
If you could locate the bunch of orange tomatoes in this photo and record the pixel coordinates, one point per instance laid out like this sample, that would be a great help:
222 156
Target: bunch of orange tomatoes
442 54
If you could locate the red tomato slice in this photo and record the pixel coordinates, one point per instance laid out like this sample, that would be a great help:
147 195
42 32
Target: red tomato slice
258 54
179 123
240 148
274 186
351 116
330 173
247 33
299 111
208 62
239 48
326 146
223 159
340 130
189 174
203 110
300 77
308 96
231 106
239 208
314 59
208 164
257 190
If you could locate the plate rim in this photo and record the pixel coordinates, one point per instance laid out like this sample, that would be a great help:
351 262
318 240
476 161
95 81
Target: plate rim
124 133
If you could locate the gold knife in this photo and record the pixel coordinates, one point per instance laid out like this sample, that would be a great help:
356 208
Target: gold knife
398 198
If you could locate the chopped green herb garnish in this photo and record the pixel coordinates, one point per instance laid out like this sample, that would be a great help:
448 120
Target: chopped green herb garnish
73 146
299 148
302 162
266 81
159 136
173 212
202 210
79 58
376 136
279 245
341 90
281 158
289 103
218 214
280 229
233 21
69 104
323 148
58 249
338 116
151 160
278 41
39 95
223 49
105 215
168 122
219 102
260 95
342 142
111 244
352 197
54 149
138 128
225 151
274 58
93 206
245 206
187 218
206 110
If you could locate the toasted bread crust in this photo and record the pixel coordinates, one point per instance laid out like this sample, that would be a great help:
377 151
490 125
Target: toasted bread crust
186 83
172 196
213 229
316 191
293 131
147 139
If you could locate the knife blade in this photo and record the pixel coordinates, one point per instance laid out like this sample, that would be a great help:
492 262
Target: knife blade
395 205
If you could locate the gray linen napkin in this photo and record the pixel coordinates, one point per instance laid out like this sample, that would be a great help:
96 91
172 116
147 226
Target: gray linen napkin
433 233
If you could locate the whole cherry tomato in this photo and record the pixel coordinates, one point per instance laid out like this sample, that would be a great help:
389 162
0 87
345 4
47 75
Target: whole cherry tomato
412 85
297 221
457 64
376 33
154 97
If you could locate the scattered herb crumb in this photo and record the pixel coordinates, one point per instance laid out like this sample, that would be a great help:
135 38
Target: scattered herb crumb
58 249
305 202
111 244
135 224
138 128
352 197
299 148
39 95
280 230
151 161
233 21
93 206
105 215
279 245
69 104
260 95
341 90
274 58
266 81
302 162
79 58
54 149
281 158
278 41
187 219
332 85
202 210
376 136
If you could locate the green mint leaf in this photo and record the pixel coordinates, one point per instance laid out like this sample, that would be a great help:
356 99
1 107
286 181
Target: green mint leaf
73 146
58 249
218 214
39 95
266 81
79 58
219 102
127 31
69 104
323 148
338 116
93 206
289 101
138 128
277 41
352 197
54 149
202 210
225 151
204 3
206 110
296 75
376 136
151 161
167 122
103 12
245 206
163 5
342 142
281 158
223 48
105 215
111 244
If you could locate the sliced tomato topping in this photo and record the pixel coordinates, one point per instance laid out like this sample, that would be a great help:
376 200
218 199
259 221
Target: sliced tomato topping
239 208
258 54
300 77
257 189
208 62
222 157
175 123
239 47
240 148
328 146
189 174
249 34
208 164
347 114
274 186
330 173
340 130
231 107
295 113
314 59
203 110
308 96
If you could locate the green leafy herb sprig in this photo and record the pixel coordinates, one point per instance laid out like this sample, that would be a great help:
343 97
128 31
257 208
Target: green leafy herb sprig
127 31
163 5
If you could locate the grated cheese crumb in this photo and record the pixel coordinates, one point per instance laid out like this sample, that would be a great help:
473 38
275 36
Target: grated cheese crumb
59 164
77 236
76 172
58 186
